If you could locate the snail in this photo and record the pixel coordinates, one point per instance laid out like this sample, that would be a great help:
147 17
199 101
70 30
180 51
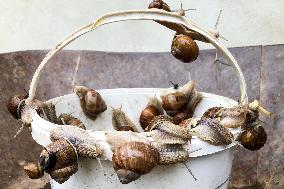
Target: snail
58 159
133 159
47 112
174 100
252 138
91 101
15 105
188 111
162 130
159 4
238 116
184 48
152 109
85 145
212 131
121 122
67 119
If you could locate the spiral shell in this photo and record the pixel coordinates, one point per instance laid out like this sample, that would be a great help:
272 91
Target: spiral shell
211 112
91 101
174 101
212 131
33 170
159 4
252 138
153 108
133 159
59 159
184 49
14 105
67 119
121 122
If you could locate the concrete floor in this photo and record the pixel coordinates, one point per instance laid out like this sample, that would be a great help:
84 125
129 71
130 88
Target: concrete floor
263 68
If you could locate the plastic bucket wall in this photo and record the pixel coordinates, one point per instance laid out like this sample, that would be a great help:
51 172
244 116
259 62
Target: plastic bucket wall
211 165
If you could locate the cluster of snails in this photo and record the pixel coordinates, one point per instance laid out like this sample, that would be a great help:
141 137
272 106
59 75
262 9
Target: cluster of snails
178 102
253 135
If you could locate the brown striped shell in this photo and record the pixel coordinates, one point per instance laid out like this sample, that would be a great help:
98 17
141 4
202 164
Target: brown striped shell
153 108
184 48
67 119
159 4
14 104
253 138
133 159
33 170
59 159
174 101
91 101
211 112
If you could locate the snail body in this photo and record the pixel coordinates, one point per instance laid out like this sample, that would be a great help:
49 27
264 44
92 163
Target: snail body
91 101
121 122
133 159
162 130
184 48
212 131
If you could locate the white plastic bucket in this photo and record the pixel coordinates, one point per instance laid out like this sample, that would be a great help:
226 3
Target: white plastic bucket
211 165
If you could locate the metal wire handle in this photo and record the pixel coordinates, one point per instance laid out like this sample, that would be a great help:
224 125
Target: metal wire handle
157 15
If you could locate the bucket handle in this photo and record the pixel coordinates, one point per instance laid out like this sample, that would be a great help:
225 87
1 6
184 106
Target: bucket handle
156 15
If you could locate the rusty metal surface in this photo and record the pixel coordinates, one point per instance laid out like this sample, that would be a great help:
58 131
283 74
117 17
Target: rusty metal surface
261 67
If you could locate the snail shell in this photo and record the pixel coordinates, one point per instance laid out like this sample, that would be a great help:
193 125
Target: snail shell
91 101
153 108
121 122
47 111
159 4
66 119
133 159
211 112
184 48
14 105
59 159
33 170
253 138
189 123
188 111
212 131
174 101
